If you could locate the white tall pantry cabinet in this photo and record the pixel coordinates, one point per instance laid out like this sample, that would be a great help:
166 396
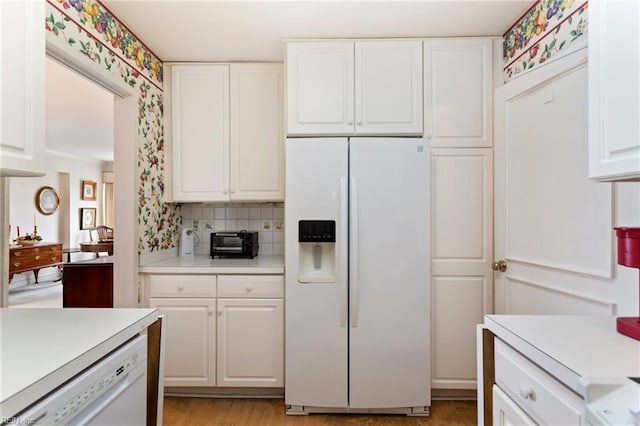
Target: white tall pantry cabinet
346 88
614 90
226 132
458 85
22 120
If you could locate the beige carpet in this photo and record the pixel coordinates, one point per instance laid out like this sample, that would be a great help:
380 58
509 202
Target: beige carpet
43 295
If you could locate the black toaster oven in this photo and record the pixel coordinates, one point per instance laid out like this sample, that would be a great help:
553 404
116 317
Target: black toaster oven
243 244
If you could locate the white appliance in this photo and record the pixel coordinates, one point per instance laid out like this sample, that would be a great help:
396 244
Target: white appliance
187 242
111 392
357 311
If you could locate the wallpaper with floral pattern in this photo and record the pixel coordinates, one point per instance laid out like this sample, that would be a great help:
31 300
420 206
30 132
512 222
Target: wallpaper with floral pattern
87 27
548 28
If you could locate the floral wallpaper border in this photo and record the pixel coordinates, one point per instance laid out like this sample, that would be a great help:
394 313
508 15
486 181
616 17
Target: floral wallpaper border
94 33
94 18
548 28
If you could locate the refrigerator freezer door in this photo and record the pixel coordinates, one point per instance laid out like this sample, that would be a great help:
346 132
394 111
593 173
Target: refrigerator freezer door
316 326
389 323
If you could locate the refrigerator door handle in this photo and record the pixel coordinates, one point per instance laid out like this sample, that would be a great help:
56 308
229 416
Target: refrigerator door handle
353 278
342 250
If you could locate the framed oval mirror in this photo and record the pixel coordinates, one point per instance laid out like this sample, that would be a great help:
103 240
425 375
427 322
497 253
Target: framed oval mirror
47 200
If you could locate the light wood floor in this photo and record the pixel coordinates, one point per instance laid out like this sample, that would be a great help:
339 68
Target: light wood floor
270 412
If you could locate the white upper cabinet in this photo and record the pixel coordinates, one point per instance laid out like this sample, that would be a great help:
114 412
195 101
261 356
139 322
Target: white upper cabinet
347 88
257 136
200 132
22 73
458 84
614 90
226 132
320 88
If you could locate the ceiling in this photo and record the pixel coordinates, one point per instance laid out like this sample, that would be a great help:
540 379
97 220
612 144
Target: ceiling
80 113
216 30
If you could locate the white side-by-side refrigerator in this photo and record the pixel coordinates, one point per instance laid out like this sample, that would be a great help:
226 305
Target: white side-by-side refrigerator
357 337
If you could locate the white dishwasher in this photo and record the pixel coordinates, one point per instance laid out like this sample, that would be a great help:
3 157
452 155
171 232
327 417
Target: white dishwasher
113 391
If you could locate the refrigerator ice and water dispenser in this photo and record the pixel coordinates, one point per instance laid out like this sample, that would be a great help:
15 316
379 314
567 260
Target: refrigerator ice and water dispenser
317 251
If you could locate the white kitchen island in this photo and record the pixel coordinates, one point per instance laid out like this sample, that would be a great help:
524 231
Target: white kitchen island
40 349
544 369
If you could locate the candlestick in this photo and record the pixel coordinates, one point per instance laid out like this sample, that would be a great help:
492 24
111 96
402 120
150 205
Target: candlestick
34 220
18 230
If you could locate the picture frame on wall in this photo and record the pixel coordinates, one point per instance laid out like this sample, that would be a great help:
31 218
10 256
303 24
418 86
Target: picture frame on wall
47 200
88 190
87 218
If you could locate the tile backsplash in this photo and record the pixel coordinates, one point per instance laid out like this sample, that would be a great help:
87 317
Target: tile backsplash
267 219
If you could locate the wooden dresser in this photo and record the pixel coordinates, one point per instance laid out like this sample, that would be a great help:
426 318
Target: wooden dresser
88 283
33 258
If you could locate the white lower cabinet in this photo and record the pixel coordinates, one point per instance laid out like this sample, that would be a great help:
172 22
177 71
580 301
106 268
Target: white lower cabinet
250 342
251 330
222 330
190 345
537 393
506 412
189 303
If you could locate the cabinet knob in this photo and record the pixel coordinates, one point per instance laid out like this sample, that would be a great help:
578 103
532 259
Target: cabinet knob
527 393
210 311
249 287
180 287
220 312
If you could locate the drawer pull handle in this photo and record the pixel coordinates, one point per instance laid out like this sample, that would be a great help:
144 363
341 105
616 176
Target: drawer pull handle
16 264
54 258
17 253
527 393
37 250
37 257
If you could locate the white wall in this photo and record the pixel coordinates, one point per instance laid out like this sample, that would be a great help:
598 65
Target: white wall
65 173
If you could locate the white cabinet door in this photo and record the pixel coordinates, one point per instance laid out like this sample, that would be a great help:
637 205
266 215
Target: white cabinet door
461 256
257 137
320 88
251 342
614 89
22 73
190 345
388 87
200 132
506 412
458 80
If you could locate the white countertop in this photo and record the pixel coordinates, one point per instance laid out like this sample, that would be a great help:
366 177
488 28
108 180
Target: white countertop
575 349
205 265
42 348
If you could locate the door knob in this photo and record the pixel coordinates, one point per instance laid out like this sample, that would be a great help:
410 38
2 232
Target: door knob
500 265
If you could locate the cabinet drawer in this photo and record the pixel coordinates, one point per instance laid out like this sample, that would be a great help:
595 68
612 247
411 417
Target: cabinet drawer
182 286
535 391
250 286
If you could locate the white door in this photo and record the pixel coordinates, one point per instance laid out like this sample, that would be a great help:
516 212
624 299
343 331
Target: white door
256 132
553 224
319 88
461 256
458 86
22 81
200 132
388 87
316 313
251 342
506 412
389 273
190 346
